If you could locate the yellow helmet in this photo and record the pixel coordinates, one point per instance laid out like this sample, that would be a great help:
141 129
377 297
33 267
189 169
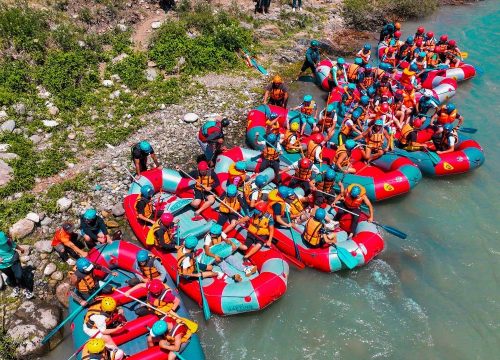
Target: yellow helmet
96 346
277 79
108 304
294 126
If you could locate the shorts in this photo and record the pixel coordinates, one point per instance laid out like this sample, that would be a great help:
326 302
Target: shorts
307 65
200 195
223 218
252 239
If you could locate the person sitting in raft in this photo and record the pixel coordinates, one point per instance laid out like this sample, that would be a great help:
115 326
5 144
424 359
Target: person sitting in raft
426 102
96 349
429 41
231 204
140 153
348 129
276 93
408 76
314 150
312 58
189 267
170 335
453 54
146 213
85 280
374 137
103 320
291 140
270 154
432 58
272 124
420 33
260 230
447 114
304 170
328 121
351 199
147 267
444 139
237 173
354 70
420 61
365 54
409 102
342 158
325 182
278 199
10 265
253 190
159 296
417 49
308 107
315 233
93 229
65 242
162 234
337 74
390 57
219 249
388 30
368 79
383 85
211 137
296 208
409 133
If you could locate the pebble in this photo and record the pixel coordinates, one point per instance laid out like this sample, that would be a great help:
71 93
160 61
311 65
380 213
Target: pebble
64 204
49 269
21 229
50 123
43 246
3 114
122 27
4 147
118 210
115 94
19 108
151 74
71 136
107 83
119 58
46 221
8 126
58 276
62 293
156 24
5 173
53 110
33 217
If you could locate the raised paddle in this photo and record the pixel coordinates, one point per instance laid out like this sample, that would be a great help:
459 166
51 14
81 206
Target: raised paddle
204 303
296 247
76 311
467 130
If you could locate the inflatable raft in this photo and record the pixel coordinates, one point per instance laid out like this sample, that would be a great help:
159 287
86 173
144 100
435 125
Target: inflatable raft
366 243
121 255
224 297
388 176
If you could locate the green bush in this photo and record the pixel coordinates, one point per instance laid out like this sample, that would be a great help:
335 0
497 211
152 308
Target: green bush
10 213
55 192
66 37
131 69
15 76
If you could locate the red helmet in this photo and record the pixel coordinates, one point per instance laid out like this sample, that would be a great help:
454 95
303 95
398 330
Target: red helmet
305 163
202 166
420 30
261 206
155 286
419 42
443 38
417 122
384 107
452 43
317 138
386 94
390 50
166 218
399 92
430 35
397 34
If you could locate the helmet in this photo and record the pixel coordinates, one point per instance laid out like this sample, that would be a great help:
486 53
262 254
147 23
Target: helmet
147 191
261 180
261 206
203 166
84 265
90 214
340 61
390 50
68 227
350 144
397 34
355 191
417 123
358 61
166 218
357 113
397 25
430 35
317 138
231 190
408 87
320 214
450 107
409 39
108 304
159 328
271 138
420 30
240 165
191 242
365 99
305 163
225 122
443 38
419 42
216 229
384 107
96 346
294 126
329 174
386 94
452 43
142 256
371 91
308 98
351 86
448 127
368 67
414 67
379 122
285 191
330 108
155 286
422 54
277 79
146 147
314 43
273 116
367 47
3 238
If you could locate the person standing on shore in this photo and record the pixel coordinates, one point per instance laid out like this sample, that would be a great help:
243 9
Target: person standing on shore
296 4
140 153
312 58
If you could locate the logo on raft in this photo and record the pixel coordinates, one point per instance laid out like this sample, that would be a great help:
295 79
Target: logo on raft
447 166
388 187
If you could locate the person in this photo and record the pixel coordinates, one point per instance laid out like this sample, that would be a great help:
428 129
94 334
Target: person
206 182
426 102
409 133
444 139
417 49
388 30
104 319
408 76
140 153
96 349
253 190
93 229
237 173
348 127
365 54
312 57
10 265
453 54
328 121
324 182
429 41
211 137
308 107
162 234
315 234
442 47
409 102
368 79
272 124
353 70
147 267
278 199
65 242
447 114
420 33
390 57
432 58
189 267
296 208
421 61
396 41
276 93
265 6
374 137
291 140
342 158
160 297
230 206
303 177
404 53
383 85
270 155
170 335
260 230
351 199
314 150
85 280
337 74
146 213
296 4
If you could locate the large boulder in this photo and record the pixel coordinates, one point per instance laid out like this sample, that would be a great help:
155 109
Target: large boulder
63 292
118 210
22 228
43 246
8 126
49 269
64 204
5 173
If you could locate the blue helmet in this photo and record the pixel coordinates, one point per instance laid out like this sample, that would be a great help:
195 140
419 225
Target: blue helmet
273 116
450 107
146 147
314 43
414 67
284 191
371 91
409 40
340 61
159 328
142 256
330 108
216 229
191 242
320 214
355 191
350 144
240 166
231 190
272 138
90 214
368 67
261 180
3 238
147 191
357 113
367 47
448 127
329 174
308 98
422 54
351 86
358 61
365 99
84 265
379 122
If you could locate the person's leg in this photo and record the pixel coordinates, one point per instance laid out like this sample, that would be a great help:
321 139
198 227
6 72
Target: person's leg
209 202
89 242
264 165
11 278
378 154
61 250
355 220
294 4
143 164
227 269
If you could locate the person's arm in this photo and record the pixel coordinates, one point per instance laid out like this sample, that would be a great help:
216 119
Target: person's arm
460 120
388 138
271 235
206 247
362 135
137 165
309 58
155 159
165 344
87 230
339 161
76 249
370 207
140 216
102 226
73 279
451 141
161 269
266 97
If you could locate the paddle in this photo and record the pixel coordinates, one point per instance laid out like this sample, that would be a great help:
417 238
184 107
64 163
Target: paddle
464 55
204 302
76 311
435 159
467 130
296 247
255 64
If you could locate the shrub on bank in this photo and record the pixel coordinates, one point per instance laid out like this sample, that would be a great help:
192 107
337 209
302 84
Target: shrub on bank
131 69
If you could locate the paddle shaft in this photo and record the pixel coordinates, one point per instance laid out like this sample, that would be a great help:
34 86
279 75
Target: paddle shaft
296 247
131 176
204 303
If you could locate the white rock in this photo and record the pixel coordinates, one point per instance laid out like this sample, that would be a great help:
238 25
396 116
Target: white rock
191 117
42 93
5 173
118 210
33 217
72 136
43 246
107 83
53 110
3 114
62 293
122 27
81 43
19 108
156 24
115 77
8 156
46 221
4 147
114 94
49 269
151 74
58 275
8 126
36 139
22 228
64 204
50 123
119 58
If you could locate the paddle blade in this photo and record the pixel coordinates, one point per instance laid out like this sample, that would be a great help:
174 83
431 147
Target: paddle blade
468 130
392 230
464 55
435 159
206 310
346 257
178 205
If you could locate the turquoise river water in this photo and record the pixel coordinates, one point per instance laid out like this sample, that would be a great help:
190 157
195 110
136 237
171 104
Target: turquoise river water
435 295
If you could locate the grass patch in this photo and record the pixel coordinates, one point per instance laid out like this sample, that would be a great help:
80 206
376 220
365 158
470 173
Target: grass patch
8 346
55 192
12 211
131 69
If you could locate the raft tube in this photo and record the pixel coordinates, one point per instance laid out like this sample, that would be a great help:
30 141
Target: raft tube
366 243
388 176
224 297
121 255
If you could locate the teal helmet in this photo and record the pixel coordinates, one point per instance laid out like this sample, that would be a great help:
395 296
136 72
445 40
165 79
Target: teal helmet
358 61
355 191
191 242
308 98
216 229
414 67
146 147
422 54
84 265
330 108
448 127
284 191
240 166
90 214
231 190
314 43
142 256
271 138
450 107
147 191
365 100
3 238
329 174
261 180
367 46
159 328
350 144
320 214
379 122
409 40
273 116
357 113
351 86
340 61
371 91
368 67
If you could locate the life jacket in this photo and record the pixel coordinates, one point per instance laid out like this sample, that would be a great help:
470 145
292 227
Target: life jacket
249 190
308 110
215 240
233 173
405 132
151 238
408 98
441 47
149 269
275 198
86 282
311 232
368 80
340 73
296 207
325 185
326 122
209 128
346 130
364 56
352 73
60 237
105 355
445 118
286 141
446 143
303 174
418 36
347 97
354 203
341 150
270 153
432 59
159 302
97 310
311 151
232 202
273 128
259 225
178 327
404 51
421 64
277 93
406 77
180 258
383 87
429 43
148 209
375 140
379 113
392 59
205 180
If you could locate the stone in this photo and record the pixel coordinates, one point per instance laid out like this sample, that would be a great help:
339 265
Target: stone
36 139
71 136
53 110
50 123
22 228
118 210
33 217
58 276
42 93
119 58
64 204
151 74
62 293
19 108
115 77
8 126
8 156
4 147
107 83
151 63
43 246
3 114
81 43
26 248
49 269
5 173
114 94
122 27
156 24
46 221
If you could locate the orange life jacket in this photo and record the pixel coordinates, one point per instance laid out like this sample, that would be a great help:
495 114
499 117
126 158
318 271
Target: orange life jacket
406 77
445 118
149 269
311 151
159 301
325 185
342 150
296 207
405 132
86 282
148 209
270 153
167 235
273 127
232 202
408 98
311 232
248 190
375 140
303 174
97 310
308 110
277 94
364 56
178 328
180 258
206 180
383 88
326 122
441 48
286 141
429 43
346 130
259 225
432 59
368 80
352 72
275 198
354 203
